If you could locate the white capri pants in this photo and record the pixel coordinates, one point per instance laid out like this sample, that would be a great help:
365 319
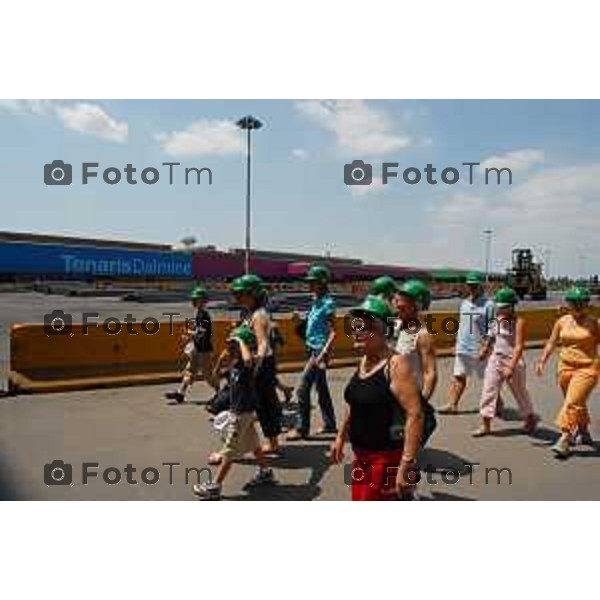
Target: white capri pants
493 381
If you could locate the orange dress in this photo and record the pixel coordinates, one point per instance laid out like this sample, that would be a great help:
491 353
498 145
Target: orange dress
578 370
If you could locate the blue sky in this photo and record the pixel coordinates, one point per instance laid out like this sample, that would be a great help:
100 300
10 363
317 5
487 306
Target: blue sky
300 200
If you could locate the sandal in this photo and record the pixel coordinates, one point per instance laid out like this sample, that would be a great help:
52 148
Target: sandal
215 458
562 448
268 448
293 435
327 430
480 432
448 409
529 424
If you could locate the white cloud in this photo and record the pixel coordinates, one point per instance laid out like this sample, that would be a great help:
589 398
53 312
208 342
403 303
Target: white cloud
84 117
203 137
299 154
23 107
375 186
517 160
359 128
91 118
12 105
554 209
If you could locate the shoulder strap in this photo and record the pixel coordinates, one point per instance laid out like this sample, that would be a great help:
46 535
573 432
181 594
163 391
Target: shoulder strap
387 369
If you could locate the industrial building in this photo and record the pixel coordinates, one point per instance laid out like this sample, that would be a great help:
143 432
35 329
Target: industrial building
34 257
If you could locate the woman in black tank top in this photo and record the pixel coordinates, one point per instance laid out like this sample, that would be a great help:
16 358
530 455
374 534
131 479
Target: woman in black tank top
373 408
249 293
384 414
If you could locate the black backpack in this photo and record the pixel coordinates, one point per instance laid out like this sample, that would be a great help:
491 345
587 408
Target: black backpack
220 401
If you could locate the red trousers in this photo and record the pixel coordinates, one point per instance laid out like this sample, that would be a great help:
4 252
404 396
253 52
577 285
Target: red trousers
374 474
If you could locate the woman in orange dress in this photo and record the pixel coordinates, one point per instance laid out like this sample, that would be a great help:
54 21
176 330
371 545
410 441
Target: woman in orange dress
578 334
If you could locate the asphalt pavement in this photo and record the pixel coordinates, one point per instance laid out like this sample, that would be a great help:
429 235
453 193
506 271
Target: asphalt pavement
136 426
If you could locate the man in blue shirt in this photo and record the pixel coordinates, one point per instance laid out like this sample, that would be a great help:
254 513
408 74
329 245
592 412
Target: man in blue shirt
476 312
319 337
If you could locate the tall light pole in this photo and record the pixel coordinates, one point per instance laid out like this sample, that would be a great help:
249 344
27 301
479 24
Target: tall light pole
488 247
249 123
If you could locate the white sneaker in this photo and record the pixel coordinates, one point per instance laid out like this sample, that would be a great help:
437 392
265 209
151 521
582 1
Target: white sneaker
562 448
207 491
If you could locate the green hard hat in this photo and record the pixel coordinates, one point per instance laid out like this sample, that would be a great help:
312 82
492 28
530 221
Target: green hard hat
474 278
578 294
384 286
506 297
319 273
247 283
244 333
199 292
374 306
416 290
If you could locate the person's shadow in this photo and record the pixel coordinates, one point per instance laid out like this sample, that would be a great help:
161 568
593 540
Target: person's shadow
509 413
297 456
314 456
445 497
592 451
431 460
541 434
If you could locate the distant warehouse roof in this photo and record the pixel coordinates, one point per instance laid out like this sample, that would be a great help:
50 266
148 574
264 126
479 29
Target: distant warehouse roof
35 238
297 256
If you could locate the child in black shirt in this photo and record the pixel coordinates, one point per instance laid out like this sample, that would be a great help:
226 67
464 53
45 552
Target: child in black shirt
240 431
199 348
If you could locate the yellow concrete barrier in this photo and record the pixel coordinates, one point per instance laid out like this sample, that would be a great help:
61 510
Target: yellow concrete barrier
41 363
80 360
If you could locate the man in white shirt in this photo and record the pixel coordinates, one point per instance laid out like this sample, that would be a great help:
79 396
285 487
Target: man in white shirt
476 312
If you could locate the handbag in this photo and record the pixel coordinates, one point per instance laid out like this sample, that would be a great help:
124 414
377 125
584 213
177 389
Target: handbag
398 425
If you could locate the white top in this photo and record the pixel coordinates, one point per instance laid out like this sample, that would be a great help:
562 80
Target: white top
474 322
249 320
406 345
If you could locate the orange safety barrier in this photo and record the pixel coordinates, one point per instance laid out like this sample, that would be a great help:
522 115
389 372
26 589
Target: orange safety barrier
41 363
78 361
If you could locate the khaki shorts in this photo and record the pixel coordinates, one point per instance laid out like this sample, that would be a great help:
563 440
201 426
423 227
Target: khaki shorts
241 436
466 365
199 362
